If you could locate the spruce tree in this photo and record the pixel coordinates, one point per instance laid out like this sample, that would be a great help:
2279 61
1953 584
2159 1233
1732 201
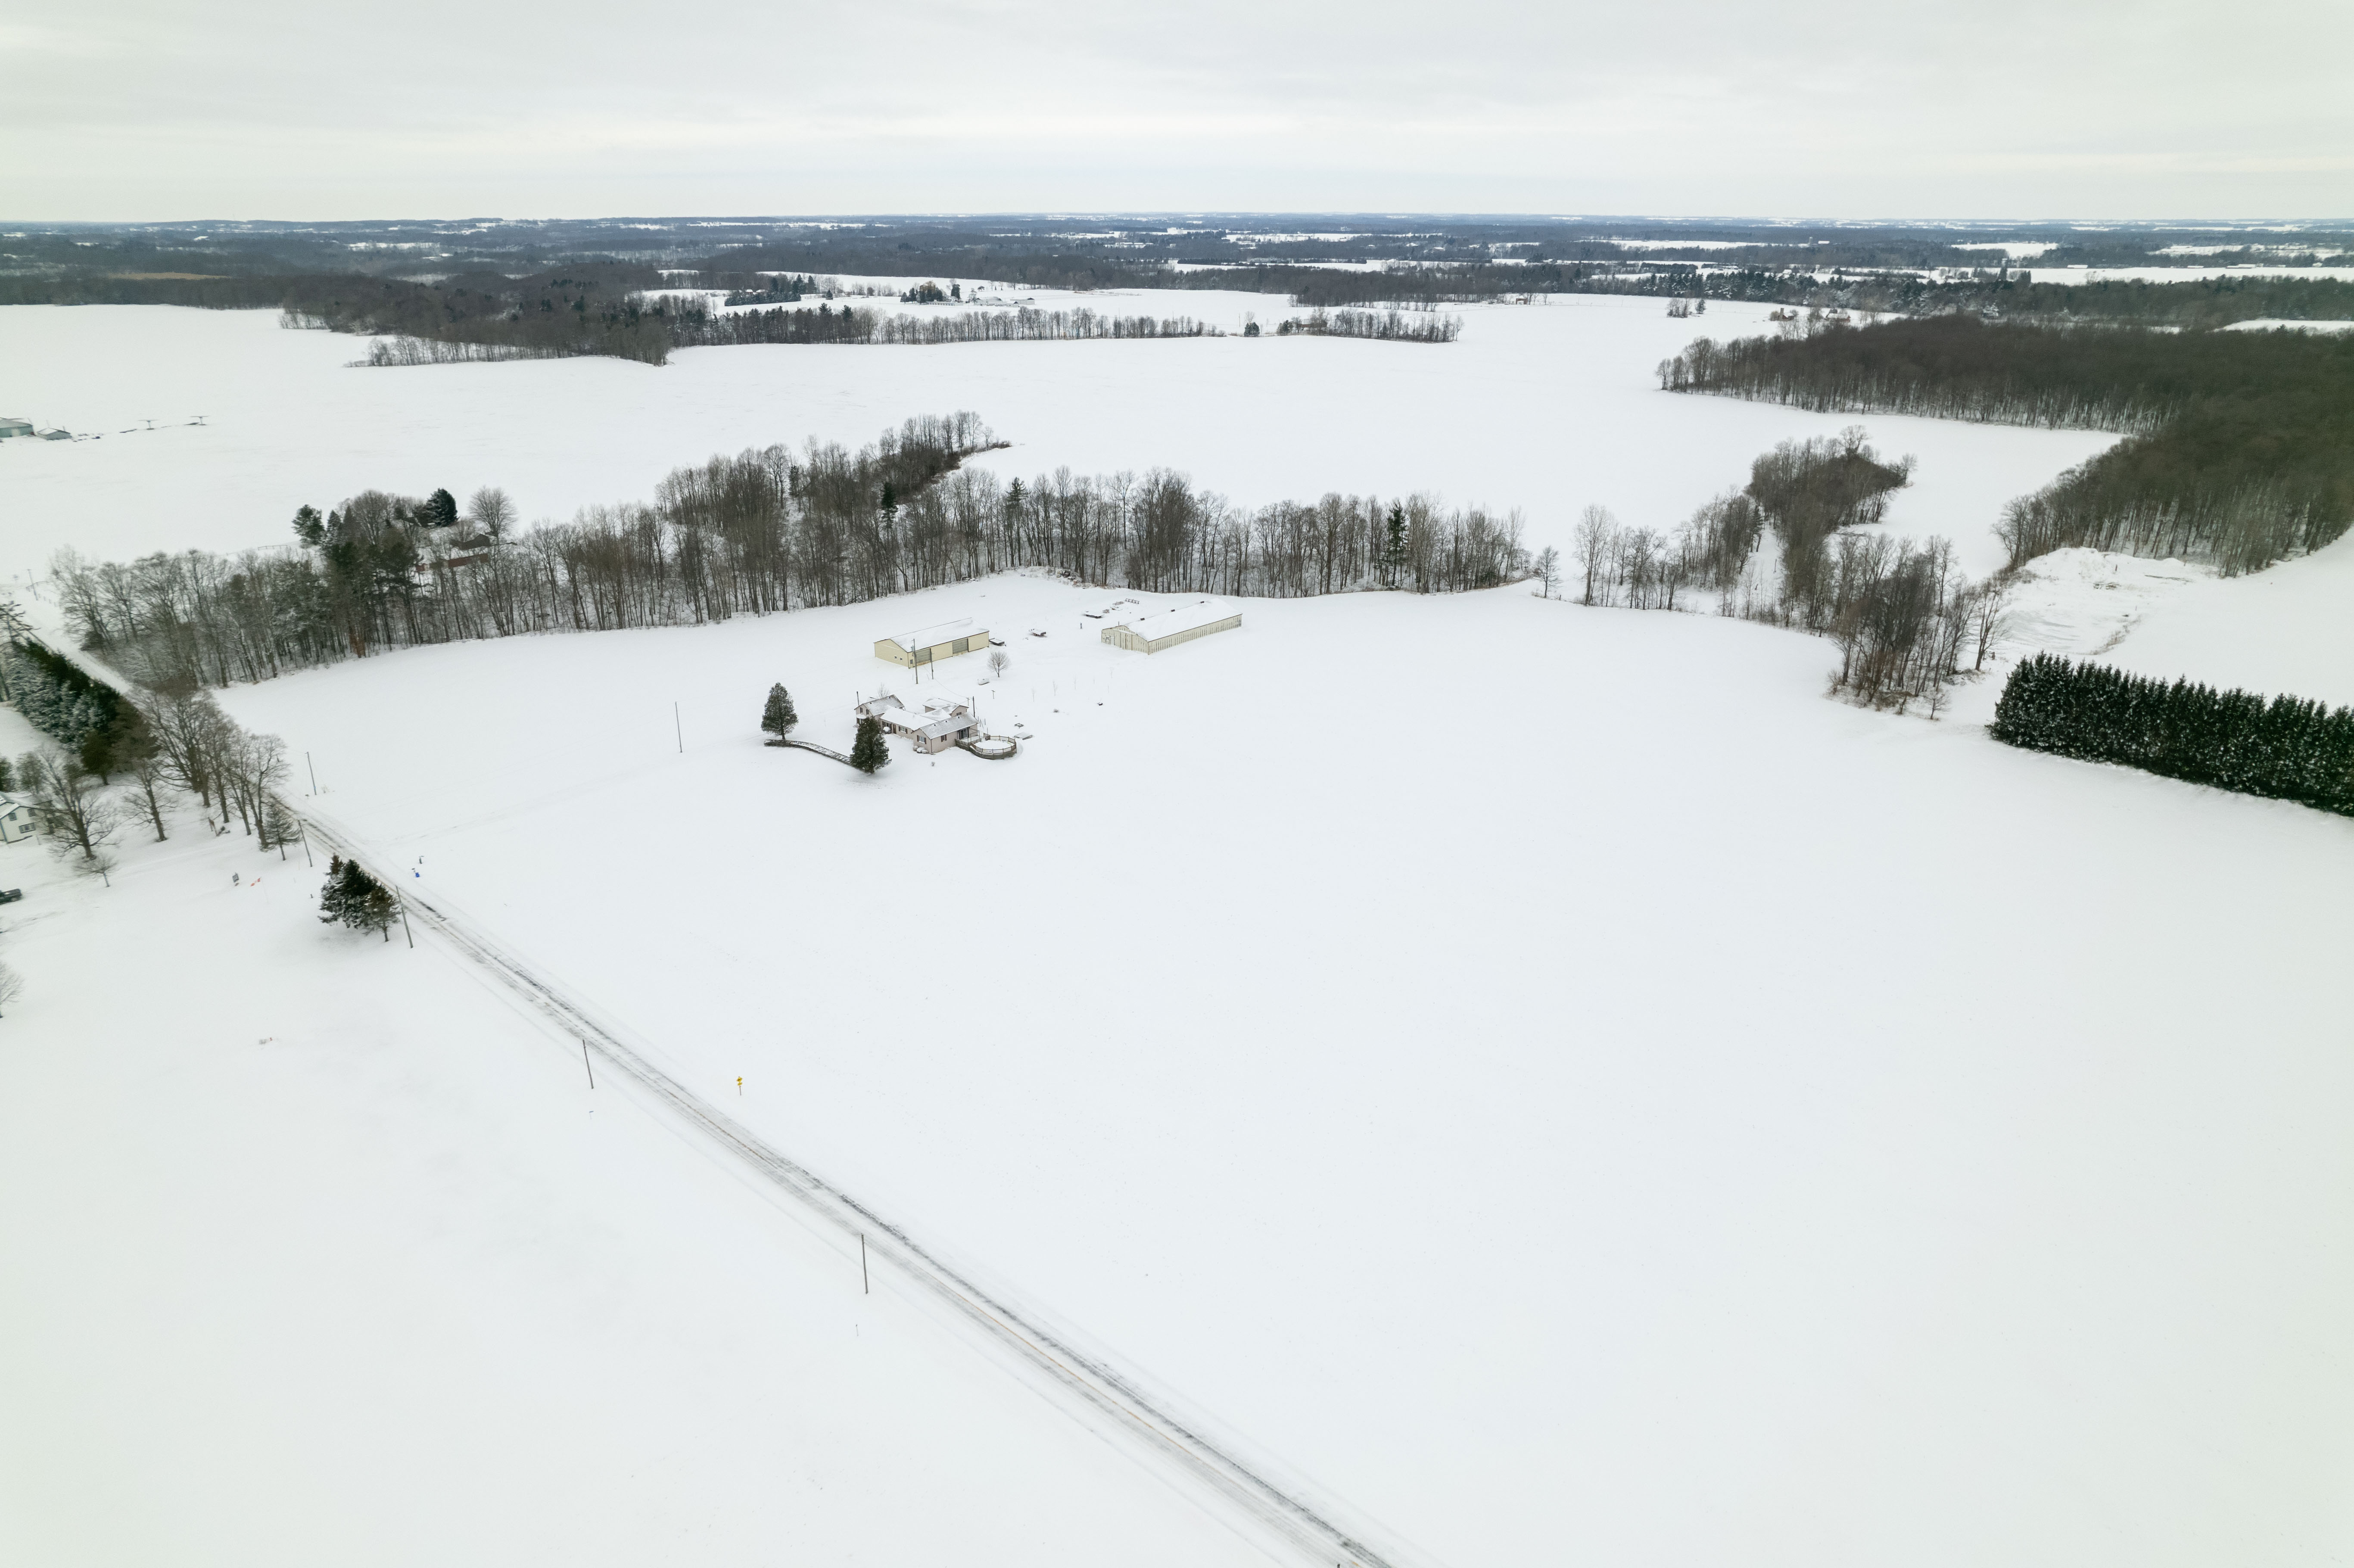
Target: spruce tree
378 909
1394 546
334 902
779 718
869 753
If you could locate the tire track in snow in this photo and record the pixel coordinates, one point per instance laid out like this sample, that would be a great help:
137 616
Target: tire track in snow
1109 1401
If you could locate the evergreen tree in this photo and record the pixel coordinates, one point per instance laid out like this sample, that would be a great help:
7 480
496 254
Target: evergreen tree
357 899
378 909
441 510
1394 546
869 753
779 718
334 901
309 527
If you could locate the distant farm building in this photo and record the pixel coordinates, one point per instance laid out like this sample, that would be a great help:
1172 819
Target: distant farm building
11 427
932 644
945 720
1167 628
16 821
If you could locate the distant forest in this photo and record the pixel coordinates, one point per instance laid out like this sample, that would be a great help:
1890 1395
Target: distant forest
505 293
2240 447
763 532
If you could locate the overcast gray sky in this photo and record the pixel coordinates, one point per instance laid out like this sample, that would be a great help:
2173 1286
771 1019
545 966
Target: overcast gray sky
1976 108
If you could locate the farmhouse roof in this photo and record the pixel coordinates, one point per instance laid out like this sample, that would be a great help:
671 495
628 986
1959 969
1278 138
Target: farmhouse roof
931 727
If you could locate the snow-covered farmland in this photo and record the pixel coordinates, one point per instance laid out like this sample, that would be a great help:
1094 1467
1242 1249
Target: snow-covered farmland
1545 407
1528 1066
317 1252
1544 1073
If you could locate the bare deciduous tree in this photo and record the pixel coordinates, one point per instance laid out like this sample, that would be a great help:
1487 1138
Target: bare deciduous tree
74 810
1597 542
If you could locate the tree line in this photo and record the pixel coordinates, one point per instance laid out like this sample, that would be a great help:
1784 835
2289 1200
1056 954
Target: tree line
762 531
118 759
1385 326
2287 748
696 326
1784 549
2240 446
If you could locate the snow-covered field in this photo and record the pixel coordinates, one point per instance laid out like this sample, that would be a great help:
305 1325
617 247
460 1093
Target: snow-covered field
1544 1073
319 1253
1543 408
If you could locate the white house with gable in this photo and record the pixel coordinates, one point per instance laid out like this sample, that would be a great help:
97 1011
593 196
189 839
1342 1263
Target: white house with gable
16 821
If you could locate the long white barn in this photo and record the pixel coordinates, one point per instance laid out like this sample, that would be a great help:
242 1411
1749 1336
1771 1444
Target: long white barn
1160 629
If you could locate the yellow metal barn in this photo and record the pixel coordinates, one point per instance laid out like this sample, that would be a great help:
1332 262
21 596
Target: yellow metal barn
932 644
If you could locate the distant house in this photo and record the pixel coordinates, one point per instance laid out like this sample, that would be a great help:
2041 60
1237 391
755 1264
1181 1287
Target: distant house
1167 628
11 427
16 821
875 707
932 644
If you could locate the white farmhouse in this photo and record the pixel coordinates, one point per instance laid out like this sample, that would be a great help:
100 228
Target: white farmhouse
945 720
16 821
1149 633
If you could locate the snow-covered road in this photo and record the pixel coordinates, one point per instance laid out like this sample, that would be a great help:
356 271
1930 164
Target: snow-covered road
1114 1401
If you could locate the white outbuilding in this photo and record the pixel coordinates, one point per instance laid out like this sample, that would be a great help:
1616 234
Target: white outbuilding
1152 632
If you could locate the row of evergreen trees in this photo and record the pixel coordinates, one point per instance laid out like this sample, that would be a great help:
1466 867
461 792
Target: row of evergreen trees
2287 748
88 717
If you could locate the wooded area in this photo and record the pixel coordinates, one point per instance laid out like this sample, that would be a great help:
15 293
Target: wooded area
2240 446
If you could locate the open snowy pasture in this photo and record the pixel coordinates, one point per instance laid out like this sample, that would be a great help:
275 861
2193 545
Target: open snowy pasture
1545 407
1544 1073
319 1252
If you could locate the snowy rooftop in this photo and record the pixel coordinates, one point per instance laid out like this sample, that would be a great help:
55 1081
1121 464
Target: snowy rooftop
1161 623
929 726
933 636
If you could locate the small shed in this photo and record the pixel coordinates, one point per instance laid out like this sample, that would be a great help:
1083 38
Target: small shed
930 644
10 425
1167 628
16 821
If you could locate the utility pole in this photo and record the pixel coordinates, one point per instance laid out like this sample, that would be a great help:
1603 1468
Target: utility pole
585 1062
404 923
679 727
315 772
866 1287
